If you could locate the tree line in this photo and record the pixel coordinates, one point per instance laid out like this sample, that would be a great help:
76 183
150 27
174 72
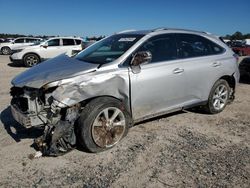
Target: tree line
237 36
5 35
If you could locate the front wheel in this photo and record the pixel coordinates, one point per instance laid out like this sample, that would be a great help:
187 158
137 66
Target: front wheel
218 97
30 60
103 123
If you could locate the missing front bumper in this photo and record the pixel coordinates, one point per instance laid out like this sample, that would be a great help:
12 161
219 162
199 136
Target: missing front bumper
27 120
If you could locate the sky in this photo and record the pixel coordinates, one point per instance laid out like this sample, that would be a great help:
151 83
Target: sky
96 17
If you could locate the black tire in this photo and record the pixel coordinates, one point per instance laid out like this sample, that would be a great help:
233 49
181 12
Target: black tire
87 131
30 60
5 50
210 107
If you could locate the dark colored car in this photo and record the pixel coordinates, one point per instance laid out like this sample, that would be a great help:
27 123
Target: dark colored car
245 69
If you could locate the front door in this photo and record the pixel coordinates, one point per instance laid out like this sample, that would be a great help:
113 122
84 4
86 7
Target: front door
52 49
160 85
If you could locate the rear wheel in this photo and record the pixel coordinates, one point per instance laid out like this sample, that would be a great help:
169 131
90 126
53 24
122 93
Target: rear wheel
31 60
6 51
103 123
218 97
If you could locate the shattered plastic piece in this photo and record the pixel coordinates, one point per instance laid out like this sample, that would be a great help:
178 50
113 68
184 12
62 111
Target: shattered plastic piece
35 155
38 154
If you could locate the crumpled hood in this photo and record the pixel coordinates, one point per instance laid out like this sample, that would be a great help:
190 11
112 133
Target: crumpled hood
58 68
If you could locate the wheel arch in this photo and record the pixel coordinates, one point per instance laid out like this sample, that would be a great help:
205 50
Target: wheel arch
1 47
126 104
33 54
230 80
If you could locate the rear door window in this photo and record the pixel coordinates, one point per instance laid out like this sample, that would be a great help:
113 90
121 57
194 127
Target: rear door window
30 40
190 45
68 42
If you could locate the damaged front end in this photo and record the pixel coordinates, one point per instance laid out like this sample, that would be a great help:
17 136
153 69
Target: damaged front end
36 107
54 93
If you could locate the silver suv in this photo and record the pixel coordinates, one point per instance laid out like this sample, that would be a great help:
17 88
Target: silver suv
128 77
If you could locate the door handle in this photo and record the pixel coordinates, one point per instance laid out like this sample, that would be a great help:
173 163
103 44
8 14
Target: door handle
178 70
216 64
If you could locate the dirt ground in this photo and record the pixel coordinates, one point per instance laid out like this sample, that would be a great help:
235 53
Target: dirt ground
186 149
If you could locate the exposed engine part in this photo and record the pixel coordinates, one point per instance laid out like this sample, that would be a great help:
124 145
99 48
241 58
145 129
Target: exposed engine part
59 119
59 138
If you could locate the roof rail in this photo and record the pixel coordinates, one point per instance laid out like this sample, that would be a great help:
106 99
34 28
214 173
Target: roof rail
160 29
165 28
125 31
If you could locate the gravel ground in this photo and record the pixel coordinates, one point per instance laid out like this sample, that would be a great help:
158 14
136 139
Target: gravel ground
184 149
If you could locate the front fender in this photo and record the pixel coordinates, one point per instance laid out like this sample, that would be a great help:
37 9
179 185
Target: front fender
80 88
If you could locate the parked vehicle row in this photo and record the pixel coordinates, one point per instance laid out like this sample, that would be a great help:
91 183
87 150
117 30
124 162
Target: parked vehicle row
6 47
47 49
128 77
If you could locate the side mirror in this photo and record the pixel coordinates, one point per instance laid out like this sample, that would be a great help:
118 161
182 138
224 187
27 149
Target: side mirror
44 45
141 58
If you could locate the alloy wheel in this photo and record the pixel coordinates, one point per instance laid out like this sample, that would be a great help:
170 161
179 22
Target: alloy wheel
108 127
220 97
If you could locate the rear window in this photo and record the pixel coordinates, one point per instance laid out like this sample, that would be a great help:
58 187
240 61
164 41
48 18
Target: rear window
195 46
68 42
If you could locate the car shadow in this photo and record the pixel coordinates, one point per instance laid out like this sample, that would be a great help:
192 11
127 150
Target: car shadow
196 110
15 65
159 117
15 130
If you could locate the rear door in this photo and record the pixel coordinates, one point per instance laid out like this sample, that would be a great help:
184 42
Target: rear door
203 62
160 85
69 46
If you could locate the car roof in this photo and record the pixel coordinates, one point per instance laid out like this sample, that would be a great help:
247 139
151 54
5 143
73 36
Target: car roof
162 31
27 38
77 38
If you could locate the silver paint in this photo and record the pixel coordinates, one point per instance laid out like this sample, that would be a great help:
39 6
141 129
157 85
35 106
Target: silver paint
157 88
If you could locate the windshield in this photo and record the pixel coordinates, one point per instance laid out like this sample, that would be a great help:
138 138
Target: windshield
108 49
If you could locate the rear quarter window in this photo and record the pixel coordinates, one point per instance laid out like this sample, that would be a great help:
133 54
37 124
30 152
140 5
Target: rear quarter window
78 42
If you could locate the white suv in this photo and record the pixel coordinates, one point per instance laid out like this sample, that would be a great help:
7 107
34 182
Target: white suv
50 48
6 47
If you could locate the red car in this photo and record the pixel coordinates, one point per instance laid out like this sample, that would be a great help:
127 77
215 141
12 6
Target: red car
242 50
